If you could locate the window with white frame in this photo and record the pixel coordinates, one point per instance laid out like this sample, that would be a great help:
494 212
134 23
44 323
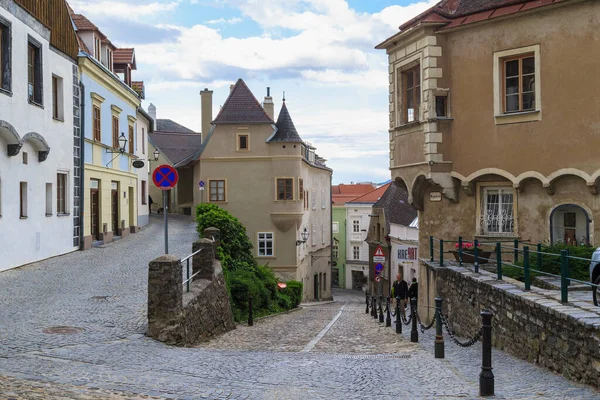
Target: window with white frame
335 250
356 252
323 199
265 244
314 199
61 193
314 235
48 199
355 226
5 55
497 210
323 234
23 199
335 227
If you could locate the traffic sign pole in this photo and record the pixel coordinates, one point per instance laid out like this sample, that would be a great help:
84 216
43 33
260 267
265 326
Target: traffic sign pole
166 212
165 177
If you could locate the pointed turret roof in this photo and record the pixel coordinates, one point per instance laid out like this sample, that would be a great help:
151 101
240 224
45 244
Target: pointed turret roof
286 131
241 107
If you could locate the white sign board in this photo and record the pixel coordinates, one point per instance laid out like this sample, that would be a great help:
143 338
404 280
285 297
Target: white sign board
407 253
378 259
435 196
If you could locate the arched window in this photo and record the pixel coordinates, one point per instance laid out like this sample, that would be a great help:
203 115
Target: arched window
570 224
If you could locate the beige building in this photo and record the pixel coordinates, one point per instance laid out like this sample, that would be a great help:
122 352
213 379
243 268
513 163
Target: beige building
493 120
263 173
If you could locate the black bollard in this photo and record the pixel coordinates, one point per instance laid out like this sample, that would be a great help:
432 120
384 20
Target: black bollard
250 318
414 334
381 309
398 316
439 336
486 377
367 301
374 307
388 316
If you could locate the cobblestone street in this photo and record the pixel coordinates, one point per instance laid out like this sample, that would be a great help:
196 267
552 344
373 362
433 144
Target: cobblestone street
329 350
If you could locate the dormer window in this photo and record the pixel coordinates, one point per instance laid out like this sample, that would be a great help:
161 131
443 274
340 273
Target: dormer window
97 48
109 59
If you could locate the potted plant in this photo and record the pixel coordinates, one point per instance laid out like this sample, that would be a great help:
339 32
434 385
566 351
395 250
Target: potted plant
468 253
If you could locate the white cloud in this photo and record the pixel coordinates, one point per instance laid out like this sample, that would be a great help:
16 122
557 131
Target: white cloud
230 21
120 9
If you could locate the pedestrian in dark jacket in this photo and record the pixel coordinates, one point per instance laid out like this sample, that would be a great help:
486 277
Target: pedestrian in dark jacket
150 202
400 289
413 291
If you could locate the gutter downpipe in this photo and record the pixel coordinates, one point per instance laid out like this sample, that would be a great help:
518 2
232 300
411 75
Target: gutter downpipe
82 163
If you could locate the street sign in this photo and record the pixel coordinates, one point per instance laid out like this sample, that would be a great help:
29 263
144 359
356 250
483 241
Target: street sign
379 252
138 164
378 259
165 177
201 184
378 269
378 279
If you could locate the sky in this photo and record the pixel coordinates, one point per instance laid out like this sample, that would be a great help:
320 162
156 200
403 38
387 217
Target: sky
319 52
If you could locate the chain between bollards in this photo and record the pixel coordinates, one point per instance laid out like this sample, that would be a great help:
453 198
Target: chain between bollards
414 334
486 377
439 335
388 317
250 316
380 308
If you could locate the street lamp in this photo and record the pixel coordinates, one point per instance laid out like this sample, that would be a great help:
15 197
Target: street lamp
156 154
121 150
304 235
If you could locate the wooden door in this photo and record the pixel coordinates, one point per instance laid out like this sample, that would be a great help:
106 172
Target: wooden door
115 210
95 213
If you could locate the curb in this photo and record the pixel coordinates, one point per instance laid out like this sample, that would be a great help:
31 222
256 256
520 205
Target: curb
317 304
274 315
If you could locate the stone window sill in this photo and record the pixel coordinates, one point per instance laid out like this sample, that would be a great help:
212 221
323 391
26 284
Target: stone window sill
23 217
6 92
33 103
63 215
518 117
49 215
58 119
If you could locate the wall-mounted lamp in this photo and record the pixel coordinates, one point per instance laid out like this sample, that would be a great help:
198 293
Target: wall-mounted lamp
121 150
304 235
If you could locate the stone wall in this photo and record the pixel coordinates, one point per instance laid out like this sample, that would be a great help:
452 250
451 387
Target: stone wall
531 325
183 318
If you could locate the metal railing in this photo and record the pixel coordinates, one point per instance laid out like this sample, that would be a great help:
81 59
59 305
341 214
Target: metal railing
499 249
185 263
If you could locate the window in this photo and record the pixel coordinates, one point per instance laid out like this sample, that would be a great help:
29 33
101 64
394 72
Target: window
314 235
57 98
314 199
5 62
265 244
144 191
24 157
355 226
96 122
322 199
97 48
109 59
356 252
441 106
301 188
216 190
323 234
34 73
131 139
519 83
335 227
411 83
497 212
143 141
335 250
243 142
48 199
115 132
61 194
569 220
23 199
285 189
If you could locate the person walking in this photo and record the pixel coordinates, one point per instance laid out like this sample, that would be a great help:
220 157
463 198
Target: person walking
413 291
400 289
150 202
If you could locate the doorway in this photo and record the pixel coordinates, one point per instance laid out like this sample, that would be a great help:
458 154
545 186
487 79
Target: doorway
131 207
358 280
95 209
316 286
114 206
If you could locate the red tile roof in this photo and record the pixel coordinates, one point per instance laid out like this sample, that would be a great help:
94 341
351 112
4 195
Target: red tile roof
373 196
454 13
341 194
241 107
125 56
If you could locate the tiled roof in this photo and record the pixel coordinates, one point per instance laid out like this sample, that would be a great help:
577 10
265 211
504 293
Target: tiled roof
125 56
286 131
170 126
395 204
83 24
453 13
372 197
341 194
241 107
138 86
176 146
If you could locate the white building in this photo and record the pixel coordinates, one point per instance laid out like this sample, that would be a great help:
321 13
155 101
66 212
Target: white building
358 213
145 126
39 133
405 251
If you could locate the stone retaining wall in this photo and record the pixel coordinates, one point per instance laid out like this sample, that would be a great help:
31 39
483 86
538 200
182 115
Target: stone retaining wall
187 318
527 324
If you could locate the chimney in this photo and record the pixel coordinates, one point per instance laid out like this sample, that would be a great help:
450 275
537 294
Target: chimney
231 88
268 104
206 105
152 111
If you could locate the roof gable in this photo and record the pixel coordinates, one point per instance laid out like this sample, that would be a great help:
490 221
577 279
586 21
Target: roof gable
241 107
372 197
125 56
395 204
176 146
168 125
286 131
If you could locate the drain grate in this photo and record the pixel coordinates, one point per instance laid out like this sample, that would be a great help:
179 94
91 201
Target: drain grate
63 330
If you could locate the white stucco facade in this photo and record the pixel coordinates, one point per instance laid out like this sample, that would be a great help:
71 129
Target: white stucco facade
144 180
34 149
357 225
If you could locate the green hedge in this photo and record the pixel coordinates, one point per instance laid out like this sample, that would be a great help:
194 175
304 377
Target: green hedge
243 275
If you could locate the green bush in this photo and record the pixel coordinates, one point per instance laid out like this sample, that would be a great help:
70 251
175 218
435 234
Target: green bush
578 269
294 292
